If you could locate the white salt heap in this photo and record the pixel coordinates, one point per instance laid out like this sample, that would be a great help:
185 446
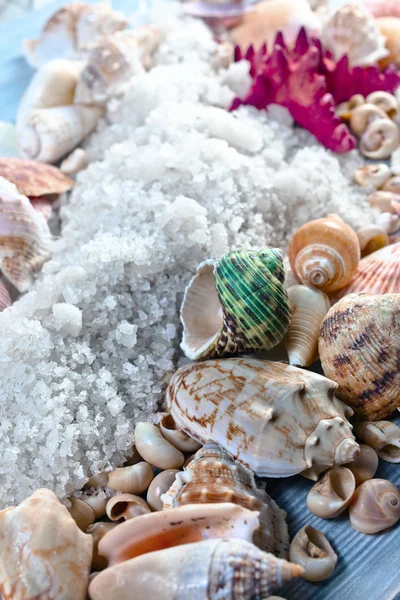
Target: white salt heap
174 179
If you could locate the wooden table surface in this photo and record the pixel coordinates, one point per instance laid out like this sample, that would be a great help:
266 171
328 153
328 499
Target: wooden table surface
368 566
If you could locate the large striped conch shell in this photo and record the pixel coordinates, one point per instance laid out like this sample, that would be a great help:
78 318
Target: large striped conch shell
235 305
226 568
34 179
214 476
114 60
359 348
383 436
43 553
352 31
324 253
48 134
309 307
72 30
177 526
277 419
377 273
25 237
375 506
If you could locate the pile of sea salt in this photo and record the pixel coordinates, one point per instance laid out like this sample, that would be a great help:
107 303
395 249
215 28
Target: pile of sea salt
174 178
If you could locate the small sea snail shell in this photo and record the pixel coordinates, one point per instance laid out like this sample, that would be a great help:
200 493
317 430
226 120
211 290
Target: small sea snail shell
375 175
97 531
383 436
372 238
387 102
126 506
159 486
97 503
176 436
311 550
365 465
375 506
344 109
131 480
332 494
380 139
155 449
134 457
392 185
325 253
385 201
363 116
97 480
82 514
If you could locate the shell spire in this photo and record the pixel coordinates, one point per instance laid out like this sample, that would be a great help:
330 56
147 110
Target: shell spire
231 569
235 305
214 476
277 419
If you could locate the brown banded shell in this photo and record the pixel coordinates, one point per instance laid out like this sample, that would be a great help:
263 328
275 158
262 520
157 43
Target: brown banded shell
359 348
214 476
375 506
383 436
324 253
43 553
332 494
365 465
277 419
377 273
246 572
311 550
176 526
34 178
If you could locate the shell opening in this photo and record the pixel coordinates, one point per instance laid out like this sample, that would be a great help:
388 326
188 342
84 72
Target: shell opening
339 485
169 423
118 510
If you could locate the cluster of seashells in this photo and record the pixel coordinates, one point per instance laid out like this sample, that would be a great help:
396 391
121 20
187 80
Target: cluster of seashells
373 120
84 54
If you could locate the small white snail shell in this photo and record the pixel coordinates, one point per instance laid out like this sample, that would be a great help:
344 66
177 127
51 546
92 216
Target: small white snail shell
134 479
375 175
97 503
344 109
311 550
380 139
155 449
363 116
332 494
383 436
82 514
176 436
126 506
387 102
372 238
365 465
159 486
375 506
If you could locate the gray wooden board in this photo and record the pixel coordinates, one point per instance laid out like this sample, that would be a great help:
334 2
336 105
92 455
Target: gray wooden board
368 566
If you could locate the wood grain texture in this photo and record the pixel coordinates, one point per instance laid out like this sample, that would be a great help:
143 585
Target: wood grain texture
368 566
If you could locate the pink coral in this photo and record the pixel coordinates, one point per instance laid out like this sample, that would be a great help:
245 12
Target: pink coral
308 82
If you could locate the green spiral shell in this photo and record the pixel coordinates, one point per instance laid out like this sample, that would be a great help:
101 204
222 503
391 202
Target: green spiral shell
255 306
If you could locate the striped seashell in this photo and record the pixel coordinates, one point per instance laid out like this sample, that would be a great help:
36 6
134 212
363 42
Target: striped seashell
24 235
377 273
359 348
276 419
324 253
235 305
214 476
229 569
34 179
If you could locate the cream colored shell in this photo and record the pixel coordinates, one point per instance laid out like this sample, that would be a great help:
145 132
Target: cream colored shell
246 571
371 239
82 513
332 494
309 307
311 550
43 554
97 531
159 486
277 419
155 449
380 139
375 506
176 436
126 506
384 436
372 175
213 476
365 465
131 480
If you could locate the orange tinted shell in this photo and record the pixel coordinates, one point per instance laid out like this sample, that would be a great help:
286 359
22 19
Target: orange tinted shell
390 29
34 178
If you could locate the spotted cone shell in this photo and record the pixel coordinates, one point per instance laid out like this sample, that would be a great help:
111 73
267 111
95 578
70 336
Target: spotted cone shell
214 476
359 348
378 273
235 305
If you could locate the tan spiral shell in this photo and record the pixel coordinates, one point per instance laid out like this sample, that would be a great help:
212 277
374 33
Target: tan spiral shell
375 506
359 348
324 253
